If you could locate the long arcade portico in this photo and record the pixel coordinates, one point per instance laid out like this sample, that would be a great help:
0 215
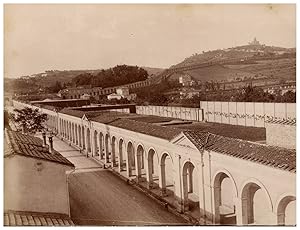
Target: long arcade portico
225 180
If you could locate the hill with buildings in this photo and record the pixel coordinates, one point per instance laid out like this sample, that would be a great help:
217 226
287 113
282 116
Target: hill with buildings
247 62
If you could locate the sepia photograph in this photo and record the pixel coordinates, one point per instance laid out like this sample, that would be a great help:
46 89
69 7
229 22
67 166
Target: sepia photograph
149 114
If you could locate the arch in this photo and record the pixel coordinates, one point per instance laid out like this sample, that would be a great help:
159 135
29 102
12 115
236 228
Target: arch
255 198
73 133
166 173
88 137
130 158
83 137
140 152
114 162
107 149
63 128
283 216
68 130
142 156
60 126
190 186
76 135
101 145
122 156
96 147
79 136
225 192
152 167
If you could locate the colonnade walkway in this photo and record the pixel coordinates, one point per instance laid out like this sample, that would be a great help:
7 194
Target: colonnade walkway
98 197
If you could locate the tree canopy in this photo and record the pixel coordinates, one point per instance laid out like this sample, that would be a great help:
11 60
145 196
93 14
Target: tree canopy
29 119
118 75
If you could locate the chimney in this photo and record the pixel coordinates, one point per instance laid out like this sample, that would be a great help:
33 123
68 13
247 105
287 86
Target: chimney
51 150
23 129
44 139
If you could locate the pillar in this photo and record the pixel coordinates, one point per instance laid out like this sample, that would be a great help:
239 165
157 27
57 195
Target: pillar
113 153
128 164
120 158
82 137
178 183
106 150
149 174
239 211
208 188
138 166
99 144
162 179
92 142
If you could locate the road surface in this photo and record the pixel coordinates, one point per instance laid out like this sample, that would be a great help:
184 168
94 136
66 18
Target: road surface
98 197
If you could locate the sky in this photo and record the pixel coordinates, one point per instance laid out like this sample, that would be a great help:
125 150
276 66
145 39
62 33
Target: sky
64 36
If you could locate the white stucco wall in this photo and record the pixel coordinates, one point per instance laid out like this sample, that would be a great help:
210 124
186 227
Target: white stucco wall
27 189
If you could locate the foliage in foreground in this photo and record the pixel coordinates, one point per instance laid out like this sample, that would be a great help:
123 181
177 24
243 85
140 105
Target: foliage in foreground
29 119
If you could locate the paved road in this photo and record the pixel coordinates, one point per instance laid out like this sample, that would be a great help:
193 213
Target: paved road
98 197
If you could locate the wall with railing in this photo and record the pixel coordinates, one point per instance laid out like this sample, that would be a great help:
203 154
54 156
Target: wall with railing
247 113
193 114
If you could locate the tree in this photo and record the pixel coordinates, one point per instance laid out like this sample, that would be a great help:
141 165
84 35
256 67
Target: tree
29 119
6 120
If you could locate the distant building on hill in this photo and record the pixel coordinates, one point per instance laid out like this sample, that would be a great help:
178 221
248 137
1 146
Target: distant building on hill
122 92
186 80
254 42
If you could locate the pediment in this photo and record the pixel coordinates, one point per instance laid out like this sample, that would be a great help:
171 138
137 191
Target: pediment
183 141
84 118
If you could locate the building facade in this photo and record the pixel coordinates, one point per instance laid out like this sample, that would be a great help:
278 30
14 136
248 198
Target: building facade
221 180
35 181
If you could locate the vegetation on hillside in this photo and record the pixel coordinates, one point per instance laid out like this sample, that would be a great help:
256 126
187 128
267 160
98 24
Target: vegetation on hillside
118 75
159 96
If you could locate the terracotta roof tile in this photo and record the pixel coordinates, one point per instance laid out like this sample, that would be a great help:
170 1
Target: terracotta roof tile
276 157
72 112
146 128
23 218
29 146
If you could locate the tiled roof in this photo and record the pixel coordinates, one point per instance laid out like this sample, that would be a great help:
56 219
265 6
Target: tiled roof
281 158
21 218
29 146
107 117
282 122
72 112
146 128
152 119
197 138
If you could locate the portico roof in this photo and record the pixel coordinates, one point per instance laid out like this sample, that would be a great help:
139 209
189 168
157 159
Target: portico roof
277 157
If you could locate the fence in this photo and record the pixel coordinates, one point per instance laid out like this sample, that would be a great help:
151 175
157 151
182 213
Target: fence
193 114
246 113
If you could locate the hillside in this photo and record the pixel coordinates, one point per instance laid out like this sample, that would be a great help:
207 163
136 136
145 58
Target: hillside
252 61
214 73
246 52
152 72
280 68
